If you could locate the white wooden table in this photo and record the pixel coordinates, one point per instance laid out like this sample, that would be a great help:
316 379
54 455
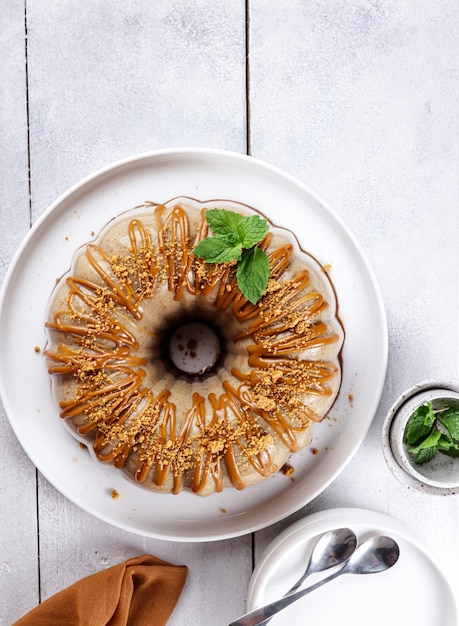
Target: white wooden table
358 99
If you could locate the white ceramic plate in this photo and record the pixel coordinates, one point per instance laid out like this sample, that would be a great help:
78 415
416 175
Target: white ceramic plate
47 253
413 591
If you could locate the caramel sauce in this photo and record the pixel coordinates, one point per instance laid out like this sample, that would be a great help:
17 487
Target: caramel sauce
127 421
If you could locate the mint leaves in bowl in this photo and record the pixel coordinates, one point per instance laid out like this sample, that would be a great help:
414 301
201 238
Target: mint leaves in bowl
433 428
424 438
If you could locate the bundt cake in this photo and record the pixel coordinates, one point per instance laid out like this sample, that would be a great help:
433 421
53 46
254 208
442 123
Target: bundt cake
163 367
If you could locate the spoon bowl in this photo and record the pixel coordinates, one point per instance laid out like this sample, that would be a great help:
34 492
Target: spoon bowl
375 555
332 548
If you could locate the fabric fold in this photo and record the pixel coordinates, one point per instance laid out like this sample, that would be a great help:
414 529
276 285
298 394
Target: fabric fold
138 592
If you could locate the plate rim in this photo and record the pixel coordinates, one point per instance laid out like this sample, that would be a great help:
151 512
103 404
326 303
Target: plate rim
189 153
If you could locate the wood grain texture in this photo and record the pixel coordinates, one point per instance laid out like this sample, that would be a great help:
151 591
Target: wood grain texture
121 82
357 99
74 544
18 537
365 112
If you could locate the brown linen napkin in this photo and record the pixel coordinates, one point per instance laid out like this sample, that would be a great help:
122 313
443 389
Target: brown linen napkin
138 592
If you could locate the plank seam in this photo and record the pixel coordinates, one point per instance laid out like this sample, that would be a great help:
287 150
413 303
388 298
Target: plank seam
26 60
247 78
27 110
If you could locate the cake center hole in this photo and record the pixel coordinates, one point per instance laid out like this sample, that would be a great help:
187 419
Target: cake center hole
194 348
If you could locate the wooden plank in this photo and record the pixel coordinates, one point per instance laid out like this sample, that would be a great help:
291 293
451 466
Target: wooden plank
74 544
123 79
18 536
359 100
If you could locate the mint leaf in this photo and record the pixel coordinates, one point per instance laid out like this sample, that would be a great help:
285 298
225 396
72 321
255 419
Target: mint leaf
216 250
420 424
426 454
223 221
430 441
235 239
427 449
429 418
450 420
447 446
252 230
253 274
231 239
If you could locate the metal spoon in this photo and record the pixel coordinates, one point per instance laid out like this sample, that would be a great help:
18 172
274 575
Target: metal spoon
332 548
375 555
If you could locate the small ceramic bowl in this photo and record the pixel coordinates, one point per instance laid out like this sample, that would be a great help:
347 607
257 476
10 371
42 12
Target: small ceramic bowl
441 474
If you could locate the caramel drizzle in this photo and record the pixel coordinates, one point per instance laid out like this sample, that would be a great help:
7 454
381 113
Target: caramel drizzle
88 316
78 363
124 417
145 259
175 249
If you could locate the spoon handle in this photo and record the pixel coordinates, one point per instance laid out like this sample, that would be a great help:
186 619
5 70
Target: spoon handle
265 613
296 586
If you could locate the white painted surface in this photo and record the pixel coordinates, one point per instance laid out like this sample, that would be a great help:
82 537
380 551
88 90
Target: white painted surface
358 99
19 539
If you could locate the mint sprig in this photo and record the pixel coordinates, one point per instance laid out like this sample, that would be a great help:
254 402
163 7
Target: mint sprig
236 238
430 431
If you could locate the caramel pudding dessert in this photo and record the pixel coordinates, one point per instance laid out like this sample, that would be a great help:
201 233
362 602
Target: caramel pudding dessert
163 367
